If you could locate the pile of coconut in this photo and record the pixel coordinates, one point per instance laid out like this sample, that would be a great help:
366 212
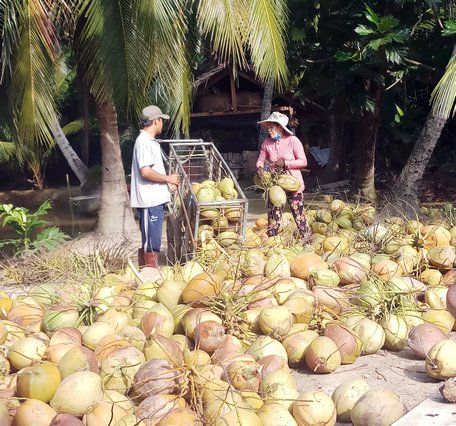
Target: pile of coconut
218 339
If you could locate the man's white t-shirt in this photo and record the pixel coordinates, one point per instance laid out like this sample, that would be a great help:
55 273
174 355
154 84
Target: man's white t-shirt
145 193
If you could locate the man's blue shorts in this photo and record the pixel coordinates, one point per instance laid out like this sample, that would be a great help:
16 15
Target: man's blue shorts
151 224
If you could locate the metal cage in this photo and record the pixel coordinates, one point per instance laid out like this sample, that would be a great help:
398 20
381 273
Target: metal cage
196 161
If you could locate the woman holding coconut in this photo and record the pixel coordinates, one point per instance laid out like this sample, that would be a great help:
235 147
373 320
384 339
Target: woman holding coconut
285 154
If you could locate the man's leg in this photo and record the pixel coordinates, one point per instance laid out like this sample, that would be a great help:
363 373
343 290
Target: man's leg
155 217
151 225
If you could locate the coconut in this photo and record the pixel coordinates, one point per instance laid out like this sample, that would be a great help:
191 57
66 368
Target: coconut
26 352
243 374
276 321
209 335
335 299
423 337
154 377
302 304
38 382
396 332
449 278
277 196
349 270
201 287
288 182
161 347
440 361
77 392
322 355
264 346
78 358
347 341
305 263
179 417
435 236
442 257
377 407
324 277
277 266
451 300
371 334
119 369
272 414
435 297
296 345
196 316
440 317
346 395
230 347
33 412
279 391
282 288
314 408
154 407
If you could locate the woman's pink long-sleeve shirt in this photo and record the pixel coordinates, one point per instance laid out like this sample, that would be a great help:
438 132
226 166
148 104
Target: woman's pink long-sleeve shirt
289 149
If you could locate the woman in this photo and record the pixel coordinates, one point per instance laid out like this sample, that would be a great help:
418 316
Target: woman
284 153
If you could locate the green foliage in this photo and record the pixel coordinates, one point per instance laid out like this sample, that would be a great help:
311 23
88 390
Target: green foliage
450 28
26 224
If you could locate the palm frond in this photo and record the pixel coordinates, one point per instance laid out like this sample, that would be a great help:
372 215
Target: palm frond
9 35
7 151
164 26
226 23
73 127
172 90
444 94
266 39
113 54
33 76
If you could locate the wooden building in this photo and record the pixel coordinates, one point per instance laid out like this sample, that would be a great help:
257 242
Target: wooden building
226 111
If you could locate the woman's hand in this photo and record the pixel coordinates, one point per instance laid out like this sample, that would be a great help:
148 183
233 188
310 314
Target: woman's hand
279 165
260 172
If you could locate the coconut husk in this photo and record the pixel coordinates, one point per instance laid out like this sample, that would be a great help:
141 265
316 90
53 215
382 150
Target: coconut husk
448 390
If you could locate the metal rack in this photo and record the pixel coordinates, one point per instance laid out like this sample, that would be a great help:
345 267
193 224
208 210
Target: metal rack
196 161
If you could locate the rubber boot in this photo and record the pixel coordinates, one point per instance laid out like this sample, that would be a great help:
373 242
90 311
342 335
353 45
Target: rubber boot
141 261
151 259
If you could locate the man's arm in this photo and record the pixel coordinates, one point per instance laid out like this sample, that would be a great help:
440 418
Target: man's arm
150 174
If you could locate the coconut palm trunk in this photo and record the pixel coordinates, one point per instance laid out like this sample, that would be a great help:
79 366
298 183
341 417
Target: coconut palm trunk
265 109
365 139
333 171
115 218
404 195
73 160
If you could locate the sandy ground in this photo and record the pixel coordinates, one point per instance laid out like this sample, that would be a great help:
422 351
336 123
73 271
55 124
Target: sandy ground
401 372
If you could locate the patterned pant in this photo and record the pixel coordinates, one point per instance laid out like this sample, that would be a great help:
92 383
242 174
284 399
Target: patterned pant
296 202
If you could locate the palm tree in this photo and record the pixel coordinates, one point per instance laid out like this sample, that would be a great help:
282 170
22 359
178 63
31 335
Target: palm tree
404 194
123 48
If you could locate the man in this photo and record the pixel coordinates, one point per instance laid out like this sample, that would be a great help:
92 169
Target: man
150 185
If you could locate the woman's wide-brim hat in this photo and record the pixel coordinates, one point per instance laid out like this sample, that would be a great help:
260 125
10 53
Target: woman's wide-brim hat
279 118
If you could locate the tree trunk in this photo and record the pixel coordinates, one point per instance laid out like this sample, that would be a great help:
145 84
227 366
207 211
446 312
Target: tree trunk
404 194
84 107
73 160
265 109
365 141
333 171
115 218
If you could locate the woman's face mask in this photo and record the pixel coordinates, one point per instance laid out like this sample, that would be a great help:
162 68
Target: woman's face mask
274 132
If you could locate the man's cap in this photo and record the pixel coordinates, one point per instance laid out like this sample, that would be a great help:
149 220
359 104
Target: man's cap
152 112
